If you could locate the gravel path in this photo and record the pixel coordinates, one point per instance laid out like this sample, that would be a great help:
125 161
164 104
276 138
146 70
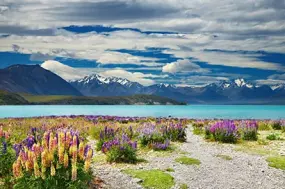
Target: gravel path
243 171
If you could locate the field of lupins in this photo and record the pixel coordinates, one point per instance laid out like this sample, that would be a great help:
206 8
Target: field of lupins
54 152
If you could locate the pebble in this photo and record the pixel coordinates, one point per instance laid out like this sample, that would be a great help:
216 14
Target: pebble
243 171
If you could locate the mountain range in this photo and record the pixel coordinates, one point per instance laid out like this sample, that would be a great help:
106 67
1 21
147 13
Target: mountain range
34 79
236 91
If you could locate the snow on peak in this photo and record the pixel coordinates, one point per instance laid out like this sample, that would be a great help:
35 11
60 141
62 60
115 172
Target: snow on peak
278 86
241 83
105 80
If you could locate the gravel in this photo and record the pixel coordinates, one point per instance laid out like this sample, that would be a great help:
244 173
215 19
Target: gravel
243 171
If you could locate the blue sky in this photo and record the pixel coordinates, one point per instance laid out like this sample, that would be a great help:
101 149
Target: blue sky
166 41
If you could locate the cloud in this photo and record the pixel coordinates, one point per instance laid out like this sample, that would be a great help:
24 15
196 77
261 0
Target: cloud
228 59
198 80
183 66
69 73
64 71
270 82
40 57
125 58
277 77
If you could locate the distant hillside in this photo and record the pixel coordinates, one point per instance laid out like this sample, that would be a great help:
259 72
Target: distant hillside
34 79
7 98
81 100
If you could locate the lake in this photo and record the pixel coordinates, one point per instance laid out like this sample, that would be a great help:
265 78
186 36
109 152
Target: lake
190 111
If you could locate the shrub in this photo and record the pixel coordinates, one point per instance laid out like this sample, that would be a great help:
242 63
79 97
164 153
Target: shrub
120 150
198 128
59 161
225 131
7 157
276 125
160 145
264 126
150 134
273 136
207 132
105 135
174 132
283 125
249 130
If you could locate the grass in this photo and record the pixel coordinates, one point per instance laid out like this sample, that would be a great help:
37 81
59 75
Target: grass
183 186
276 162
43 98
225 157
152 178
188 161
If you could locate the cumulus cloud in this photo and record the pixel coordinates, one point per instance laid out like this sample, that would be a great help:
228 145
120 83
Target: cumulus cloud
64 71
197 25
183 66
69 73
228 59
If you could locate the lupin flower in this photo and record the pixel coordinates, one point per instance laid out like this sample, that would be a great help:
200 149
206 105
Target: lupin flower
74 172
36 169
81 151
53 153
65 161
52 170
17 170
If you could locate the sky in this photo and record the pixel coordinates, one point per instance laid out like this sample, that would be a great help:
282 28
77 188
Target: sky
180 42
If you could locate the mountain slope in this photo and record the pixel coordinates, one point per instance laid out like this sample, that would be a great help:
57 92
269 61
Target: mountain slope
7 98
34 79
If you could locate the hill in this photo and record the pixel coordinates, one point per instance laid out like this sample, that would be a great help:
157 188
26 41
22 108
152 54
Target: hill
34 79
82 100
7 98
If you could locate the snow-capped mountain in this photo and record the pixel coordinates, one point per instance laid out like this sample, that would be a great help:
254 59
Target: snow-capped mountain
237 83
96 85
237 91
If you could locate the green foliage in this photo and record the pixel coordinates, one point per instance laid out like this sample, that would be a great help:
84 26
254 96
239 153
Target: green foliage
207 133
94 132
273 136
250 135
264 126
188 161
183 186
7 159
82 100
146 140
60 180
126 154
225 157
276 162
198 128
197 131
153 178
276 125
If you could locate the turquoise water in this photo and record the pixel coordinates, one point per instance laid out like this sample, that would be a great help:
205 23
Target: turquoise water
191 111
